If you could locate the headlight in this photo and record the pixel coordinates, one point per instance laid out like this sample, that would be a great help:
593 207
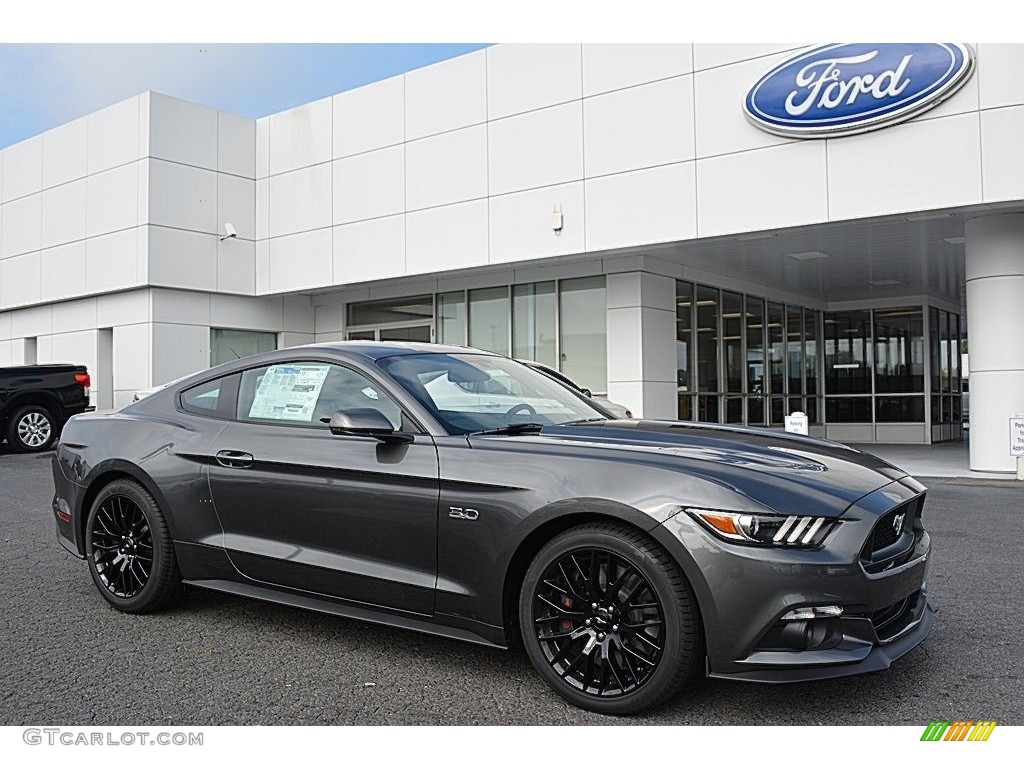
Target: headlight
766 530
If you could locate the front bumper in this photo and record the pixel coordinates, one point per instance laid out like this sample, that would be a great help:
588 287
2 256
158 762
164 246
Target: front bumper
744 591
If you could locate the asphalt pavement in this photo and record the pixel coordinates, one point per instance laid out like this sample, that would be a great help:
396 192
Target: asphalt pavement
67 658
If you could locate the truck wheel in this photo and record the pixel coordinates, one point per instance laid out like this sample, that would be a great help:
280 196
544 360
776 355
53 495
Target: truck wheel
31 428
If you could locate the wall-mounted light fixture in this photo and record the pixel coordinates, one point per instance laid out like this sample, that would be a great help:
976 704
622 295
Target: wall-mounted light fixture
229 231
556 220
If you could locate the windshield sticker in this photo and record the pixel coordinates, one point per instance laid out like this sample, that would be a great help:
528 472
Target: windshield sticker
289 392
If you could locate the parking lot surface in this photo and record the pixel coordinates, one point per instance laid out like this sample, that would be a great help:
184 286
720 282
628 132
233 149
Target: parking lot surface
70 659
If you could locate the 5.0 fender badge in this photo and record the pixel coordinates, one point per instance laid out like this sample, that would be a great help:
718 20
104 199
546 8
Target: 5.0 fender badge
460 513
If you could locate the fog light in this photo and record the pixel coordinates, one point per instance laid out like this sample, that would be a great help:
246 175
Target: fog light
813 612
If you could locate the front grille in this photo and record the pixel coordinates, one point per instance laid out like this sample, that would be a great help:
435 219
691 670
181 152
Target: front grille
893 526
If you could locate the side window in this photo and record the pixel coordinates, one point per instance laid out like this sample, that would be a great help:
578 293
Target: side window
212 398
306 392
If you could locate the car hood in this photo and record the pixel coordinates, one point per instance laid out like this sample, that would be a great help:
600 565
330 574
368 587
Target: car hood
761 464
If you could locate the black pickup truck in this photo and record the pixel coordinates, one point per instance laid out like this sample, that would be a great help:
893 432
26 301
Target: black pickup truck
36 400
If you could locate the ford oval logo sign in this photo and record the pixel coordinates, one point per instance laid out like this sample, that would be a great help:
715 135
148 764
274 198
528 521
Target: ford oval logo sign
845 88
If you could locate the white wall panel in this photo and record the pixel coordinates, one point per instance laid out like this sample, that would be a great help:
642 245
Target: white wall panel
20 231
236 266
182 131
999 69
236 203
64 153
369 250
777 187
77 315
301 136
536 149
651 206
34 321
78 347
133 352
182 259
297 313
112 199
904 174
20 280
111 261
448 168
122 308
236 145
300 200
369 185
639 127
264 314
300 261
182 196
610 66
527 77
370 117
64 213
63 271
182 307
707 55
1002 158
262 147
444 96
23 168
520 223
183 349
114 135
451 237
718 103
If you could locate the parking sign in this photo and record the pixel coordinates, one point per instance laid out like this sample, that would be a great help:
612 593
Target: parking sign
1017 436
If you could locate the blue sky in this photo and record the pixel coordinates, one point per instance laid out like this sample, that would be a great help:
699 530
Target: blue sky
42 86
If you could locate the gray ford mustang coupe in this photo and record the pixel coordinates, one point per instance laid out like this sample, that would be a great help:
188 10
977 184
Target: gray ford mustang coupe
460 493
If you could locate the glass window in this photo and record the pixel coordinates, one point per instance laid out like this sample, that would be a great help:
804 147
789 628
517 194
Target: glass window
304 393
212 398
794 350
411 310
839 410
847 364
489 319
755 347
583 314
684 347
811 409
707 408
707 340
812 343
533 323
732 338
899 350
734 410
755 410
451 318
776 353
472 392
933 349
944 350
227 345
954 353
907 409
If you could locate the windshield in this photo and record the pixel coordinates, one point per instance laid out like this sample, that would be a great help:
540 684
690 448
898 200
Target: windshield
470 393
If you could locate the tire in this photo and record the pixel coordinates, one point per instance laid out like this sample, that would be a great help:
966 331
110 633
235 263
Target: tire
129 550
645 610
31 428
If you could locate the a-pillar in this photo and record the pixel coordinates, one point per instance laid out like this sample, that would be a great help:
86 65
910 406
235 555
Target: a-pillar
995 327
642 343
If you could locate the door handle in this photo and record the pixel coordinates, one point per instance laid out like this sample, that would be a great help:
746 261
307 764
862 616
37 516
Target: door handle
237 459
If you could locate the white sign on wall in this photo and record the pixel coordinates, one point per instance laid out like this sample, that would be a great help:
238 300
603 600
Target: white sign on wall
1017 436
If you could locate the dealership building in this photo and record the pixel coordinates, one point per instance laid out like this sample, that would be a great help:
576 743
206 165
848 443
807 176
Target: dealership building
620 212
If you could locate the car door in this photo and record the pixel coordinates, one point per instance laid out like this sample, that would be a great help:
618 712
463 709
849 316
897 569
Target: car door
344 516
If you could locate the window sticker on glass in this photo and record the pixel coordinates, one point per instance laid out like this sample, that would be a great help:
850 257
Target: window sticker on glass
289 392
371 393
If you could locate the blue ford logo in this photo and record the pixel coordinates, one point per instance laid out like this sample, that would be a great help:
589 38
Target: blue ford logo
840 89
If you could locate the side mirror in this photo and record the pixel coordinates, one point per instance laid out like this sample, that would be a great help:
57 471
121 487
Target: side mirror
366 422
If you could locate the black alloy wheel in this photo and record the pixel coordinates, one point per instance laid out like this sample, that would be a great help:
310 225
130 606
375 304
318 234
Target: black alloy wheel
609 620
129 550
